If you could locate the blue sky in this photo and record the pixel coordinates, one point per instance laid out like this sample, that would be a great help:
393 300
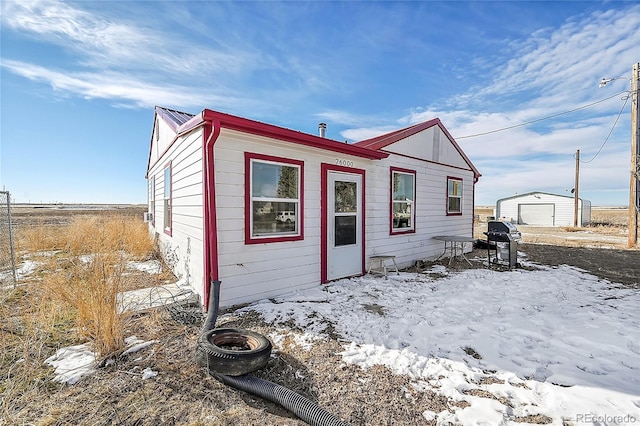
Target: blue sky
79 81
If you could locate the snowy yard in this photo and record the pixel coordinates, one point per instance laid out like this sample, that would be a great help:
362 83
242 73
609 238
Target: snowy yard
551 345
555 342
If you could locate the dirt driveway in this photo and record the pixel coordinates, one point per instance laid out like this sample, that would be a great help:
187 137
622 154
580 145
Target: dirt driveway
621 266
599 250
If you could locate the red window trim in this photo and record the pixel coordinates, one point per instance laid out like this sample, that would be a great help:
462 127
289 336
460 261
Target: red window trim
248 238
168 230
400 231
447 197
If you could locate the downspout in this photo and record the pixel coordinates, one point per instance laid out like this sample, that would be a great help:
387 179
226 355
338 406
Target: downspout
211 133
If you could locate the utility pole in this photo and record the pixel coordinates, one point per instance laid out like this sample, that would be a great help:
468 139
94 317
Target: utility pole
634 190
576 199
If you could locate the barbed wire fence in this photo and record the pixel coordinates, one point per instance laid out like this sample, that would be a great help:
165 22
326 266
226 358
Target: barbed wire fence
7 248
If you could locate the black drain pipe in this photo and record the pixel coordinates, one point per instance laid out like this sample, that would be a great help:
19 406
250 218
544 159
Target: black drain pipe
307 410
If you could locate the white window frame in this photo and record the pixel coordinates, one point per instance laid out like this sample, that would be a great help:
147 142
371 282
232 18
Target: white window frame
453 183
252 159
411 224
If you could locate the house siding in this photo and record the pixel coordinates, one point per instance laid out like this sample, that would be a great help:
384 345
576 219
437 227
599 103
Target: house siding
253 271
430 206
250 269
183 249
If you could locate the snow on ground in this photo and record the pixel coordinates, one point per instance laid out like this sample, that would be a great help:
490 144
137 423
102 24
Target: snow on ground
150 266
75 362
556 341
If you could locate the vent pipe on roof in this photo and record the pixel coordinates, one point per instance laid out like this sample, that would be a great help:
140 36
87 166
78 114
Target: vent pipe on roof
322 129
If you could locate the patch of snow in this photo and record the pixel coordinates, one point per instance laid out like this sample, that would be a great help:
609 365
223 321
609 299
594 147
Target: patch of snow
148 373
150 266
437 269
72 363
302 340
138 347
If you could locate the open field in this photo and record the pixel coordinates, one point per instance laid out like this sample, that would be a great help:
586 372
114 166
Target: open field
608 229
63 214
36 324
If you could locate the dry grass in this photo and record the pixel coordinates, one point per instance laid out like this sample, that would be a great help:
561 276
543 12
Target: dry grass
83 279
85 235
90 288
71 298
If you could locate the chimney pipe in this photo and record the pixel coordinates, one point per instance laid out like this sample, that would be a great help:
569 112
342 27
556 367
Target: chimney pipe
322 129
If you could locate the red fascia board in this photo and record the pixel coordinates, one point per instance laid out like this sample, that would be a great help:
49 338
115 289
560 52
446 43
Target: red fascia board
382 141
246 125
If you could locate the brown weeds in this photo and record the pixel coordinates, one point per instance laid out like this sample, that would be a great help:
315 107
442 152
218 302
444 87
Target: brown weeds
83 279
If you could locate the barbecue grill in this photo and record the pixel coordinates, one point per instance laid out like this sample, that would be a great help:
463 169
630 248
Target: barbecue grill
503 237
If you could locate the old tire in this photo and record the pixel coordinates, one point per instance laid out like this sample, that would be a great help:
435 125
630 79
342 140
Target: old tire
232 351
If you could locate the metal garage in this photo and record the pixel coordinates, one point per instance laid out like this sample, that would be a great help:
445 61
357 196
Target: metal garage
543 209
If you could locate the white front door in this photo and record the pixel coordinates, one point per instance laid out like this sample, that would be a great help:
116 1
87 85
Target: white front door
344 225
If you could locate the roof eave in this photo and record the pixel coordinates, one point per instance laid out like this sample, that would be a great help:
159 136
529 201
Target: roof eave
246 125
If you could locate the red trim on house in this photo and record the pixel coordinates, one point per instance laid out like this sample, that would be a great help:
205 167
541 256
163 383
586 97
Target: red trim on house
382 141
447 197
400 231
451 166
210 135
473 209
246 125
325 168
269 130
248 238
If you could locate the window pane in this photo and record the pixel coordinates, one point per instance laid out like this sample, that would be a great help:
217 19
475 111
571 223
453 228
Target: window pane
455 187
167 182
274 181
167 213
346 198
401 215
274 218
345 230
454 204
403 186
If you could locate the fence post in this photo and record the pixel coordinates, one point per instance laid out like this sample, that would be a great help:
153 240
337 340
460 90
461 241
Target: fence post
6 238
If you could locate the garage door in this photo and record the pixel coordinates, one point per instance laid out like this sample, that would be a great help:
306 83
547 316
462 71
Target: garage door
536 214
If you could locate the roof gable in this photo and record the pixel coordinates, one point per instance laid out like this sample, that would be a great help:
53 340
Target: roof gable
383 141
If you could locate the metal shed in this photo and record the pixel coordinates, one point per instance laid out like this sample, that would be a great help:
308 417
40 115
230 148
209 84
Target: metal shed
543 209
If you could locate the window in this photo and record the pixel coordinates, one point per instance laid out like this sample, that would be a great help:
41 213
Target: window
152 200
454 196
167 199
273 202
403 195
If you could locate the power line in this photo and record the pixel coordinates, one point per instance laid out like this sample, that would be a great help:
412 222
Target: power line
541 119
626 99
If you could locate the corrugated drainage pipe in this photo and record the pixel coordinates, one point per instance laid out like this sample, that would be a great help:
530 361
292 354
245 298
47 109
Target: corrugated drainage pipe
306 410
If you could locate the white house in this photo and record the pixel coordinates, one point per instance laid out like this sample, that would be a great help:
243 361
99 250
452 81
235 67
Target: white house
268 210
543 209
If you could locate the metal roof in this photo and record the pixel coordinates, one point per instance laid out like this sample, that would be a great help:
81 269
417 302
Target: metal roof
174 118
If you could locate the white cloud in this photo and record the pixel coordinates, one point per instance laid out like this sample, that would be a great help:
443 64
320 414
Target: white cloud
121 87
552 72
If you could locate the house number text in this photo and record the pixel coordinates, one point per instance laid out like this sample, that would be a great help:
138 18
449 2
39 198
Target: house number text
343 162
